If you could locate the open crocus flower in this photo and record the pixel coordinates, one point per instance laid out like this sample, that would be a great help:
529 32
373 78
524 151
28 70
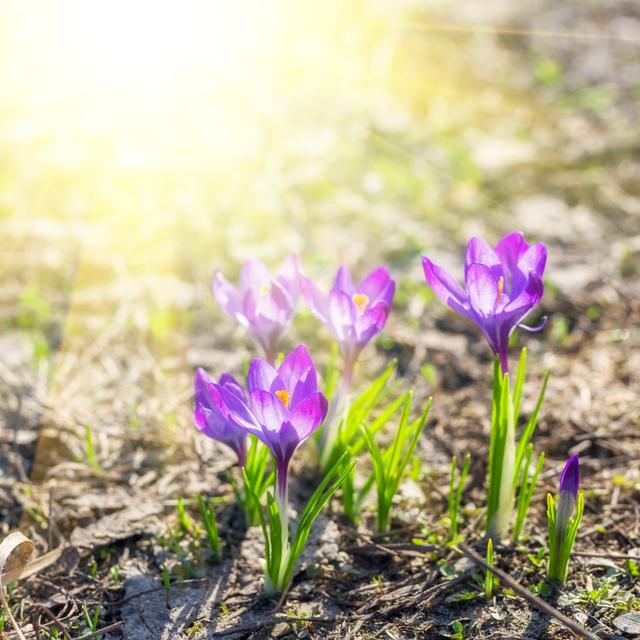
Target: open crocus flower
353 313
502 286
263 305
284 408
211 415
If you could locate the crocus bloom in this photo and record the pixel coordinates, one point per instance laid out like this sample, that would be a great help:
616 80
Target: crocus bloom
211 415
263 305
283 410
502 286
354 313
569 485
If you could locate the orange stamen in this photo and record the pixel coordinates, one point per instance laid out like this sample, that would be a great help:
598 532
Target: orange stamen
361 301
265 288
284 397
500 289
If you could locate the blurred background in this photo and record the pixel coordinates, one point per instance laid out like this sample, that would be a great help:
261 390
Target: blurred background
143 144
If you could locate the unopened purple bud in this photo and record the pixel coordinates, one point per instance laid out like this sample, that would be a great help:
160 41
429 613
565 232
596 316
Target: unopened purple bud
570 476
569 485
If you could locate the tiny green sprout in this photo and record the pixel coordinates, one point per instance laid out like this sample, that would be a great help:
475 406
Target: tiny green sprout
114 572
389 465
429 373
455 494
210 526
463 596
93 569
295 619
542 589
537 559
457 632
166 577
38 515
488 578
91 619
92 460
632 567
4 618
187 525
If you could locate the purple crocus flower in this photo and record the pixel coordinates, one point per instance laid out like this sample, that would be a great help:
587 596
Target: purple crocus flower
263 305
211 415
283 410
354 313
569 486
502 285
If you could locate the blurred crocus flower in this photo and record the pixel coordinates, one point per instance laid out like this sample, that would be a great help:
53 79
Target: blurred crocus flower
211 415
569 486
284 408
502 285
354 313
263 304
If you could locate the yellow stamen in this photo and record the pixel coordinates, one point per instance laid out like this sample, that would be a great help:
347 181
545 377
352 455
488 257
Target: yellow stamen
284 397
265 288
500 289
361 301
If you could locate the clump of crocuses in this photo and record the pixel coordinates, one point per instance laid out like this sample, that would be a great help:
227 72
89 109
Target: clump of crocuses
262 304
564 518
283 408
503 284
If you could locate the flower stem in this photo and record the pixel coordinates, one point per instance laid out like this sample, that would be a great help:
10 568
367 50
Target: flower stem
505 503
282 498
338 411
502 461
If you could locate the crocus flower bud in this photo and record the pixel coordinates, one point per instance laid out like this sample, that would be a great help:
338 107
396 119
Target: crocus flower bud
569 486
564 517
502 285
